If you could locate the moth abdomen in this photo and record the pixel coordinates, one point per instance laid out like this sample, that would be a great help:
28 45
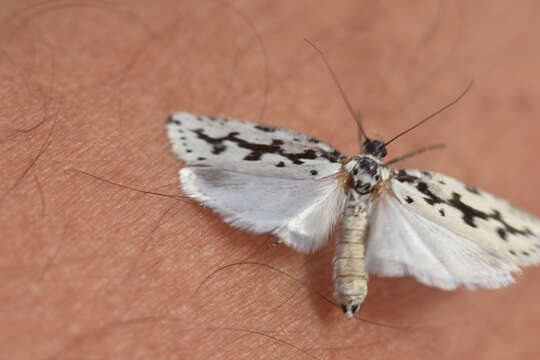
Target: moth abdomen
350 274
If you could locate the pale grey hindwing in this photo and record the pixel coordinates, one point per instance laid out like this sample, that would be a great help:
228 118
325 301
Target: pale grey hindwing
469 212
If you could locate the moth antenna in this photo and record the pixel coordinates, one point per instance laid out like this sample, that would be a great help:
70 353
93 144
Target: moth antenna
361 132
414 153
432 115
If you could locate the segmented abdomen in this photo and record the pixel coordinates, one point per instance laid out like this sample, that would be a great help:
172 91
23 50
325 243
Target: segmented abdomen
350 274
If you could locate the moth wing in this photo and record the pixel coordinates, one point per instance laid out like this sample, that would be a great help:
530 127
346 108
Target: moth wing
301 213
251 148
470 213
403 242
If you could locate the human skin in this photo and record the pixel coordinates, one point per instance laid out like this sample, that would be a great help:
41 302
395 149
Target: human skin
92 269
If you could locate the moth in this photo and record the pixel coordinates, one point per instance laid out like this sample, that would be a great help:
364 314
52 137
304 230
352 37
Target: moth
389 222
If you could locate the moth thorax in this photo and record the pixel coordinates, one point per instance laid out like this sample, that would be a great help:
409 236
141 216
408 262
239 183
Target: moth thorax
365 173
350 274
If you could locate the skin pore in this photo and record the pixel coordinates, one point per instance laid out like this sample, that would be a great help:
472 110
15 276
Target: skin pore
90 269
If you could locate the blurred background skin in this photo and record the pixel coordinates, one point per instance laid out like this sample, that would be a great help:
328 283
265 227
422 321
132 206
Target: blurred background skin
92 270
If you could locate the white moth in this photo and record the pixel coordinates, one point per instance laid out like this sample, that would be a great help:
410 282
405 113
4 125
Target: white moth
391 222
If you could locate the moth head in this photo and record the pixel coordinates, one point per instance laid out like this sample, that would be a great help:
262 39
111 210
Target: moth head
374 147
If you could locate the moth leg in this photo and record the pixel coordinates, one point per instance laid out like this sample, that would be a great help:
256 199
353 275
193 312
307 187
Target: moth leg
273 242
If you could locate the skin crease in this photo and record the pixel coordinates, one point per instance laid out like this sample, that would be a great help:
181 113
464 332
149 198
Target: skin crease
93 270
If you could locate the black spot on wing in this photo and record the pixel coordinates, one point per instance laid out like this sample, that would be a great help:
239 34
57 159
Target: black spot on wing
296 157
431 198
280 164
409 199
469 213
172 120
472 189
218 149
265 128
333 156
496 215
258 150
404 177
314 172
